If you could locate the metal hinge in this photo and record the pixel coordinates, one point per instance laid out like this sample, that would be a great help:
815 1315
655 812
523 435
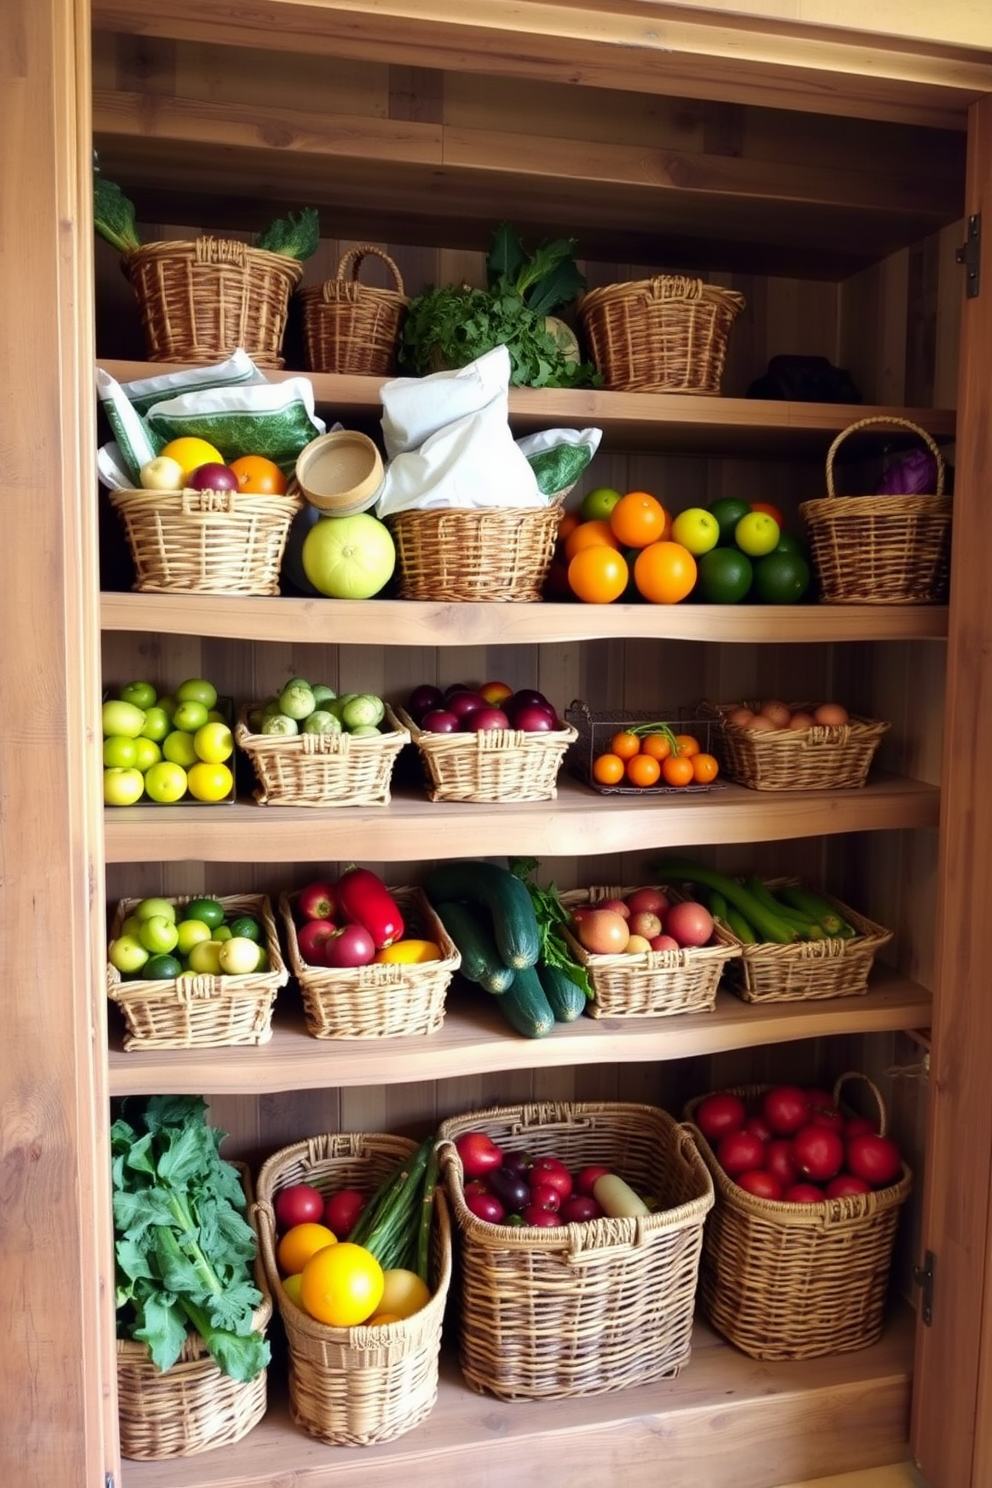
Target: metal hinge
108 1480
970 254
923 1277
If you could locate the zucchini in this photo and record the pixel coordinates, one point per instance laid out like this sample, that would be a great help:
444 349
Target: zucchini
817 908
740 927
716 904
807 928
515 927
471 930
566 998
525 1005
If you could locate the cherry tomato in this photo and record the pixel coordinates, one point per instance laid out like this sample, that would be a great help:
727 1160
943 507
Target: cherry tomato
300 1203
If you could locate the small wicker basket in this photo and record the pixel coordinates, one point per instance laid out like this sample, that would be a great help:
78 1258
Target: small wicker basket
322 769
881 549
460 554
201 300
355 1386
201 1012
206 542
797 1281
650 983
381 1000
663 335
350 327
192 1407
824 757
491 765
584 1308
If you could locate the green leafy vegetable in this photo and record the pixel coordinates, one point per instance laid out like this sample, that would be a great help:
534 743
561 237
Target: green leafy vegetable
551 916
113 215
294 236
395 1223
183 1247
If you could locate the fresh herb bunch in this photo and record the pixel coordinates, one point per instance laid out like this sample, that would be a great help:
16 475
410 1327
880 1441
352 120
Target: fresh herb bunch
183 1247
551 915
113 215
294 236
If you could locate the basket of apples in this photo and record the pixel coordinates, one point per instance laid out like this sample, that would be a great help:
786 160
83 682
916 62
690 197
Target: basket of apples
648 951
487 743
797 1251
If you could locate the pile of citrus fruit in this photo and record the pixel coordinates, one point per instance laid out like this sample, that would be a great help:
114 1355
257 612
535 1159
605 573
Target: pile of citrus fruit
652 755
166 748
627 546
196 463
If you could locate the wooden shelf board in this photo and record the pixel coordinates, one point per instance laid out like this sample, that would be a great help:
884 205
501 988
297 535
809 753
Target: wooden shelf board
724 1419
474 1040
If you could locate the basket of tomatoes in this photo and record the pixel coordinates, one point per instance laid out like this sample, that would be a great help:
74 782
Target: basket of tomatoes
640 753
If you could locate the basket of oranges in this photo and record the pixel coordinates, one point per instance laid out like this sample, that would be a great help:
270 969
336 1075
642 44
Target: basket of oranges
638 753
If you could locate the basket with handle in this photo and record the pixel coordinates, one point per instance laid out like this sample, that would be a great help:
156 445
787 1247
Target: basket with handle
881 549
797 1281
663 335
349 326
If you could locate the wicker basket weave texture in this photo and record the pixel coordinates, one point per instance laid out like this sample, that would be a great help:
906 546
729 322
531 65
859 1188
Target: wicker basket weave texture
349 327
200 300
322 769
834 757
453 554
355 1386
491 765
663 335
585 1308
192 1407
797 1281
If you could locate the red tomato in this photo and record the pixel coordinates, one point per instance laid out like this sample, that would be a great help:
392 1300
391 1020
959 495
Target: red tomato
479 1153
818 1152
720 1113
875 1159
780 1163
855 1126
761 1183
585 1178
549 1172
803 1193
342 1210
300 1203
785 1109
846 1186
832 1120
740 1150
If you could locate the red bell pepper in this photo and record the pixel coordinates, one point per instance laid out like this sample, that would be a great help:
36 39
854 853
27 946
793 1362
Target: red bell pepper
365 900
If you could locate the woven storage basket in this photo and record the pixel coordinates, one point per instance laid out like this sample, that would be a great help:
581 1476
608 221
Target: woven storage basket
206 542
491 765
381 1000
192 1407
881 549
650 983
583 1308
355 1386
201 1012
460 554
797 1281
322 769
201 300
824 757
663 335
810 969
349 327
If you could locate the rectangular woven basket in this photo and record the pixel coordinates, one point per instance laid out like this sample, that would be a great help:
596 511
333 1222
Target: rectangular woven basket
824 757
663 335
206 542
355 1386
584 1308
491 765
462 554
192 1407
322 769
381 1000
797 1281
201 1012
350 327
650 983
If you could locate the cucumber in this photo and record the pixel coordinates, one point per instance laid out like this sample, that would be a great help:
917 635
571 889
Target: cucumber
811 904
807 928
740 927
716 904
566 998
525 1005
515 927
471 930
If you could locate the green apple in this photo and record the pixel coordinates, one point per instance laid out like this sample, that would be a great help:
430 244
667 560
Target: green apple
166 781
158 934
123 787
131 925
156 725
120 752
179 749
127 954
148 754
197 690
121 718
222 933
189 716
145 909
141 694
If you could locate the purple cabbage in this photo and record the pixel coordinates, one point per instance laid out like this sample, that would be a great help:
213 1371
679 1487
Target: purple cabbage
911 474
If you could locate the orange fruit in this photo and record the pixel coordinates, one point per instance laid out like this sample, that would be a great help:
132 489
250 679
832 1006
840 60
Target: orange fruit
656 745
625 744
638 519
342 1285
589 535
664 572
258 476
643 770
677 770
568 524
597 574
770 511
300 1243
688 745
607 769
704 768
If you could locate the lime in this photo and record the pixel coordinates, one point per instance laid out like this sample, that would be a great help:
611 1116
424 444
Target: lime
728 511
246 927
165 782
214 743
364 710
164 968
122 718
204 958
179 748
597 505
221 933
141 694
757 534
197 690
210 911
724 576
263 959
788 542
189 934
146 909
148 754
156 725
781 578
696 529
189 717
120 752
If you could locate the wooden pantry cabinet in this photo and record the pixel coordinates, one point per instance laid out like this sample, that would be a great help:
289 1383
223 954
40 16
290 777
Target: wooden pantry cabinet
826 172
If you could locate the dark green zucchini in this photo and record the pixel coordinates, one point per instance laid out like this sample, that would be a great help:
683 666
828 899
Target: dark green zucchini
515 928
471 930
525 1006
567 998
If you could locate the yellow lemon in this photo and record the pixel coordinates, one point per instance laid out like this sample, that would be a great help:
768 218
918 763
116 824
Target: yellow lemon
403 1293
190 454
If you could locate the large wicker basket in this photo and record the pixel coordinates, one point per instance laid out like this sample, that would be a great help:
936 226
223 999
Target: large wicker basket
206 542
797 1281
200 300
460 554
584 1308
201 1012
381 1000
350 327
192 1407
322 769
881 549
492 764
355 1386
823 757
663 335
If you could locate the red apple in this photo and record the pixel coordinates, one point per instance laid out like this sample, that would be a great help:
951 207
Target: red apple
482 718
463 703
535 719
440 721
318 901
664 943
690 923
422 699
651 900
586 1177
645 922
618 906
352 946
578 1209
313 938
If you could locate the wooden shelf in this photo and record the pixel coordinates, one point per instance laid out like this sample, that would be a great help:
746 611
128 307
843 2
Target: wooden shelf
474 1040
806 1418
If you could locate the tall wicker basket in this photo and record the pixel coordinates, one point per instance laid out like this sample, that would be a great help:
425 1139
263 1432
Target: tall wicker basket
663 335
349 326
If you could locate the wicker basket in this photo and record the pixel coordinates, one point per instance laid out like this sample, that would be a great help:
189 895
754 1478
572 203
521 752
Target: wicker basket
201 1012
355 1386
583 1308
650 983
824 757
192 1407
322 769
797 1281
460 554
381 1000
881 549
206 542
201 300
491 765
348 327
663 335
